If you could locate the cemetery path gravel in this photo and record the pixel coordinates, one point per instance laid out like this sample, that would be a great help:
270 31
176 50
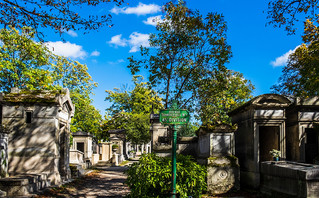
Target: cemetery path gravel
105 182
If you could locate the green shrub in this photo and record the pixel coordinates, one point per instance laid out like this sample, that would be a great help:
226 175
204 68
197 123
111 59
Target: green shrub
151 177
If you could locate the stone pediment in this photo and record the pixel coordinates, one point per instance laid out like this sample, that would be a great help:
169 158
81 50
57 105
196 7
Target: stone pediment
271 100
265 101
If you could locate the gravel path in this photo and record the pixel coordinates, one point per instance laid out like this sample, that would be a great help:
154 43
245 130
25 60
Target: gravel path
106 182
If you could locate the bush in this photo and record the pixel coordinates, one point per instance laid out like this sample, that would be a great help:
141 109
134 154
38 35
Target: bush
115 146
151 177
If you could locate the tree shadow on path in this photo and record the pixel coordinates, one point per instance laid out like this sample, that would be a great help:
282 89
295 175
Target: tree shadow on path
108 182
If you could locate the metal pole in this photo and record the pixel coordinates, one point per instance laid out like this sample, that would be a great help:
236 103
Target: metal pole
174 162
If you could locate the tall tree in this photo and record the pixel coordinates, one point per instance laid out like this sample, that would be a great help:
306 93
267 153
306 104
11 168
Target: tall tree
217 98
130 110
186 60
86 118
300 75
60 15
285 13
186 49
27 64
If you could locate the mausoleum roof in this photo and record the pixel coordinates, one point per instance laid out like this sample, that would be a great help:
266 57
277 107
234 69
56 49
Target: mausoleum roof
267 101
60 97
82 133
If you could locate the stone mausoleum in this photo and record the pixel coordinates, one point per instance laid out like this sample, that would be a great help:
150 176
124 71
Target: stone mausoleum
35 134
272 121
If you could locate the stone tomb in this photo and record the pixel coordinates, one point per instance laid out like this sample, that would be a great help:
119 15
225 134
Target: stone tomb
302 130
290 178
84 144
272 121
38 126
261 128
216 149
118 137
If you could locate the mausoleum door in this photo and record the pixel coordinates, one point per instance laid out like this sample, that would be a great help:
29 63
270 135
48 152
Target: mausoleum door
268 139
311 145
80 146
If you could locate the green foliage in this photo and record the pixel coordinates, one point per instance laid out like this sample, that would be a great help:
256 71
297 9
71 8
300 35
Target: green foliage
186 62
151 177
61 16
130 110
187 49
188 130
86 118
285 13
300 75
23 62
115 146
27 64
220 94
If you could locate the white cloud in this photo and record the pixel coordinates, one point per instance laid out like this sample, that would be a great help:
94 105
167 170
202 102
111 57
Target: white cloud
140 9
282 60
135 41
118 41
116 62
72 33
95 53
153 20
138 39
66 49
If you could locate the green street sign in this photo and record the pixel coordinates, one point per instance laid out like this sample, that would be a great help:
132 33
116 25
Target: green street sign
174 116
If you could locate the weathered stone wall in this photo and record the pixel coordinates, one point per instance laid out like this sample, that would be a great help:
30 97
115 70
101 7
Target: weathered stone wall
3 154
38 127
32 146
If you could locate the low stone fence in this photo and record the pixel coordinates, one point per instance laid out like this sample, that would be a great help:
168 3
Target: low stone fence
290 178
23 185
76 157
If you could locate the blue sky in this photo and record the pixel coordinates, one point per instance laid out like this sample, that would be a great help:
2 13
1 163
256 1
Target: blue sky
259 51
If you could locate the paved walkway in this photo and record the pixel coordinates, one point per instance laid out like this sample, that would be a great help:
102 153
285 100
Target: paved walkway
105 182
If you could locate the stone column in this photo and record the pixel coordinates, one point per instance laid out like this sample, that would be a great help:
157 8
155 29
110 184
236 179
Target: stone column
3 155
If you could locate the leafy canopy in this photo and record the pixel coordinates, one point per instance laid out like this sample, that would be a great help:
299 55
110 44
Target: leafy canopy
60 15
130 110
218 97
186 49
27 64
285 13
186 62
301 74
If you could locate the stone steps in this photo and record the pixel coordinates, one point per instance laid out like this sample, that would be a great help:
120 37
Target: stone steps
22 185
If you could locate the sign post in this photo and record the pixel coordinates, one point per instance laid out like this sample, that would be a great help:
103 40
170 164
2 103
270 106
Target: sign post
173 117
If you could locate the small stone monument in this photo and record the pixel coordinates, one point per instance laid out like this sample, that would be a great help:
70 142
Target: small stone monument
217 145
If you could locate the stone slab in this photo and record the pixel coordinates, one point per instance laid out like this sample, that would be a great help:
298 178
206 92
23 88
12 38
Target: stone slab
290 178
